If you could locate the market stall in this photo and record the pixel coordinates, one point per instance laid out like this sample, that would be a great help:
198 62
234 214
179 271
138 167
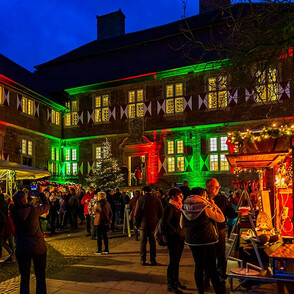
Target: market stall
265 221
12 172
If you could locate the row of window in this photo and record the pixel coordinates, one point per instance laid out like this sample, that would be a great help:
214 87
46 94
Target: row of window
267 90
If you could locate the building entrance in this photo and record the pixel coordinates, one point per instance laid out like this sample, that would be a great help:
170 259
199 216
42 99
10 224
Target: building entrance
137 174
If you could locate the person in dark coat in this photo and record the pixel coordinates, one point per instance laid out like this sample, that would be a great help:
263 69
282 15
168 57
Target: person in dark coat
110 200
185 190
30 243
132 207
3 221
161 196
147 214
53 212
198 217
212 187
175 239
73 208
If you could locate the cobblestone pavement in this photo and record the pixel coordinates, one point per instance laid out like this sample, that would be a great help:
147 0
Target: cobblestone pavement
63 249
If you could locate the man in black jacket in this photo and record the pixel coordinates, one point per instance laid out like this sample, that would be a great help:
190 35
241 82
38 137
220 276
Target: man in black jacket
212 187
30 243
147 214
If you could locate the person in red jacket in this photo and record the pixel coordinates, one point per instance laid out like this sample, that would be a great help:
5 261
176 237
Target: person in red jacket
85 201
138 176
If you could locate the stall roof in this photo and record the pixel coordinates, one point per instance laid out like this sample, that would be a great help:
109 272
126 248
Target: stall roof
257 160
23 172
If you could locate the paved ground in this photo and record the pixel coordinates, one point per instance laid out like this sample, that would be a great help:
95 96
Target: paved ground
74 268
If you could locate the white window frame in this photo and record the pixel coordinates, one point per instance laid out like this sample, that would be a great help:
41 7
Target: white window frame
217 87
101 108
136 104
217 151
173 98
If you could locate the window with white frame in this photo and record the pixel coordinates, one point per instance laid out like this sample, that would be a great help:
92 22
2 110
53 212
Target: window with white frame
267 87
217 92
174 98
175 156
72 118
217 151
135 102
55 156
102 103
27 106
55 117
71 158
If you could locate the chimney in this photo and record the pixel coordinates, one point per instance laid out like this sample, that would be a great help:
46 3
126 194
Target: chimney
110 25
208 5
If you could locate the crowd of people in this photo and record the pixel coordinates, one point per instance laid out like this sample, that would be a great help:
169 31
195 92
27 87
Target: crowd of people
196 217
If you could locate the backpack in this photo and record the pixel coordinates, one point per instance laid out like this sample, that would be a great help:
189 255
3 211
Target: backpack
159 235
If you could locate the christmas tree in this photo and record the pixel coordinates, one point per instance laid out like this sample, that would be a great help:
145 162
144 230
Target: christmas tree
107 174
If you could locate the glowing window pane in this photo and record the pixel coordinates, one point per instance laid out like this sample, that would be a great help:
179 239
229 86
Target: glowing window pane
140 110
179 89
24 146
132 110
170 106
57 118
74 168
56 168
273 92
223 143
179 104
171 164
170 147
105 100
180 146
30 148
97 101
169 91
24 104
105 114
181 164
52 153
74 118
97 116
67 120
53 116
213 144
222 83
213 162
212 84
30 107
222 99
74 106
140 95
57 154
67 154
67 104
212 100
223 162
67 169
98 153
132 96
74 154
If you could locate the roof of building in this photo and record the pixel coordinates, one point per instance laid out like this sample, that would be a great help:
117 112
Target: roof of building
154 49
22 80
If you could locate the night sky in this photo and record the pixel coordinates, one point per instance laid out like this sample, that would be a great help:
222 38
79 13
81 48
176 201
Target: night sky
35 31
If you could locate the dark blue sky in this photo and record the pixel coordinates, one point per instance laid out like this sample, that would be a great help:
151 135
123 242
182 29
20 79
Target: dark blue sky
35 31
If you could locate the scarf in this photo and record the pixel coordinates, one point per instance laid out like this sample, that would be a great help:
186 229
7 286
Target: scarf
176 204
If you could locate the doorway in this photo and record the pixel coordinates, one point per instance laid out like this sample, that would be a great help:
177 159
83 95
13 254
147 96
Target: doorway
137 178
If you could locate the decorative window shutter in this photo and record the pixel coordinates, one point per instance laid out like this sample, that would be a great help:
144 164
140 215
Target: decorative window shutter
124 112
49 115
232 97
250 93
112 113
37 109
90 116
19 102
188 103
6 97
202 101
161 109
147 108
81 168
4 156
284 90
80 117
161 164
90 166
188 163
204 162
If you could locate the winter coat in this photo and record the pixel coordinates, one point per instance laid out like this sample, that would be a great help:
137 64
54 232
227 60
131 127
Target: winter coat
132 206
3 211
148 212
28 236
102 213
226 207
85 201
198 220
171 223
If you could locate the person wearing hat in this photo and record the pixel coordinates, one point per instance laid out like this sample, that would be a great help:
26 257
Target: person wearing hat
30 243
147 214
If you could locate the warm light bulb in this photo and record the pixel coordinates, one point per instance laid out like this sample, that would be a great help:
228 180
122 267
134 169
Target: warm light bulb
274 125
